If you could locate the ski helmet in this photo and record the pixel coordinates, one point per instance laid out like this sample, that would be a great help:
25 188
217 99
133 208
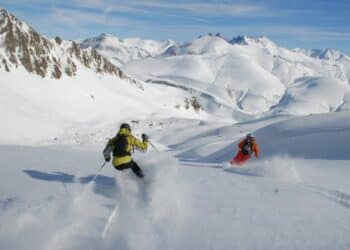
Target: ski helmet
126 126
250 136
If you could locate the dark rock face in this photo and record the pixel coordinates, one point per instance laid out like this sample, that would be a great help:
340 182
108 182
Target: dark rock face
23 45
39 55
239 40
58 40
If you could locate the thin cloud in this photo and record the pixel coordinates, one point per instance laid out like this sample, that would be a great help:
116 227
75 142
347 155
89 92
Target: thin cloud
197 8
81 18
211 9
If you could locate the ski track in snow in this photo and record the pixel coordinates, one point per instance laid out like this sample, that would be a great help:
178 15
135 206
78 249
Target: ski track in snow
336 196
109 221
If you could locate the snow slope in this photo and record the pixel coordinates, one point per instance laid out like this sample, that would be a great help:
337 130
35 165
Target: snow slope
184 203
36 110
321 136
313 95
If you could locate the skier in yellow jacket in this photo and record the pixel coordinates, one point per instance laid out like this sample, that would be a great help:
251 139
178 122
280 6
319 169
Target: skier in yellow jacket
122 146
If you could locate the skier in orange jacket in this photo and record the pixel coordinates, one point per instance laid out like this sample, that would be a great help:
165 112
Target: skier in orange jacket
247 147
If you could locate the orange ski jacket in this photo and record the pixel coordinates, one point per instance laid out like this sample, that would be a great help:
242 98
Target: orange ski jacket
255 147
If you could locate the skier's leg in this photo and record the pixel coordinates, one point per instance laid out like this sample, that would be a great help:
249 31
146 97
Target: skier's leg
137 170
244 159
238 158
235 159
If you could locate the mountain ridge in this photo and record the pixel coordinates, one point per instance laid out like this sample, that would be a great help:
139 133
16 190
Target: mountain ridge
21 45
252 76
122 51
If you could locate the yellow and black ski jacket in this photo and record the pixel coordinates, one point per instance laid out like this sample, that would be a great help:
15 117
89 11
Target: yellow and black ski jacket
131 142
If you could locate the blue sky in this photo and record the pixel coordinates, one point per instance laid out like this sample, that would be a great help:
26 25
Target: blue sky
289 23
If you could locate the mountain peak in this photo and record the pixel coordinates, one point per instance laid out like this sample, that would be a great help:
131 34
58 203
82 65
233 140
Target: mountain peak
121 51
4 14
328 54
206 44
241 40
24 47
107 36
102 41
7 19
260 41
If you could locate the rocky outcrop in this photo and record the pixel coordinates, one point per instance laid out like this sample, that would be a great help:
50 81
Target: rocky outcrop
21 45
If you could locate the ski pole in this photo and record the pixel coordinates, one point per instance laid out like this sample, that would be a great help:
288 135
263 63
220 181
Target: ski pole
98 172
153 146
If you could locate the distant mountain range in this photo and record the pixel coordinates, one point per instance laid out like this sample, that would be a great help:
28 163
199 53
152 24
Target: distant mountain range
253 74
235 77
123 51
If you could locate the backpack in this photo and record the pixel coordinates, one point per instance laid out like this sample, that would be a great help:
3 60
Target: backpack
247 148
120 146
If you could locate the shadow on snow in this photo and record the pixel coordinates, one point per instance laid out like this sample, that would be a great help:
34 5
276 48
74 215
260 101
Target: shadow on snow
104 185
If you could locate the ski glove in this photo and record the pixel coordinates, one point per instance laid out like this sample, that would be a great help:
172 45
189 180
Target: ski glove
107 153
108 158
144 137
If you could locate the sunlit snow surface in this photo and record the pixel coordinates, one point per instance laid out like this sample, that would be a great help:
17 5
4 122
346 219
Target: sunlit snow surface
190 198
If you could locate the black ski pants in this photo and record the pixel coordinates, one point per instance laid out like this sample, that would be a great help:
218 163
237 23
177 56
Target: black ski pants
134 167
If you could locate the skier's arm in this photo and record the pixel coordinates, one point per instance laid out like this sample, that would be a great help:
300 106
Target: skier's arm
142 145
109 143
241 144
108 150
256 150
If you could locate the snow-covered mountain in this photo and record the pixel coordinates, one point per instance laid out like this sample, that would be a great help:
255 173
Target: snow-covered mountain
253 75
23 47
262 42
325 54
122 51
